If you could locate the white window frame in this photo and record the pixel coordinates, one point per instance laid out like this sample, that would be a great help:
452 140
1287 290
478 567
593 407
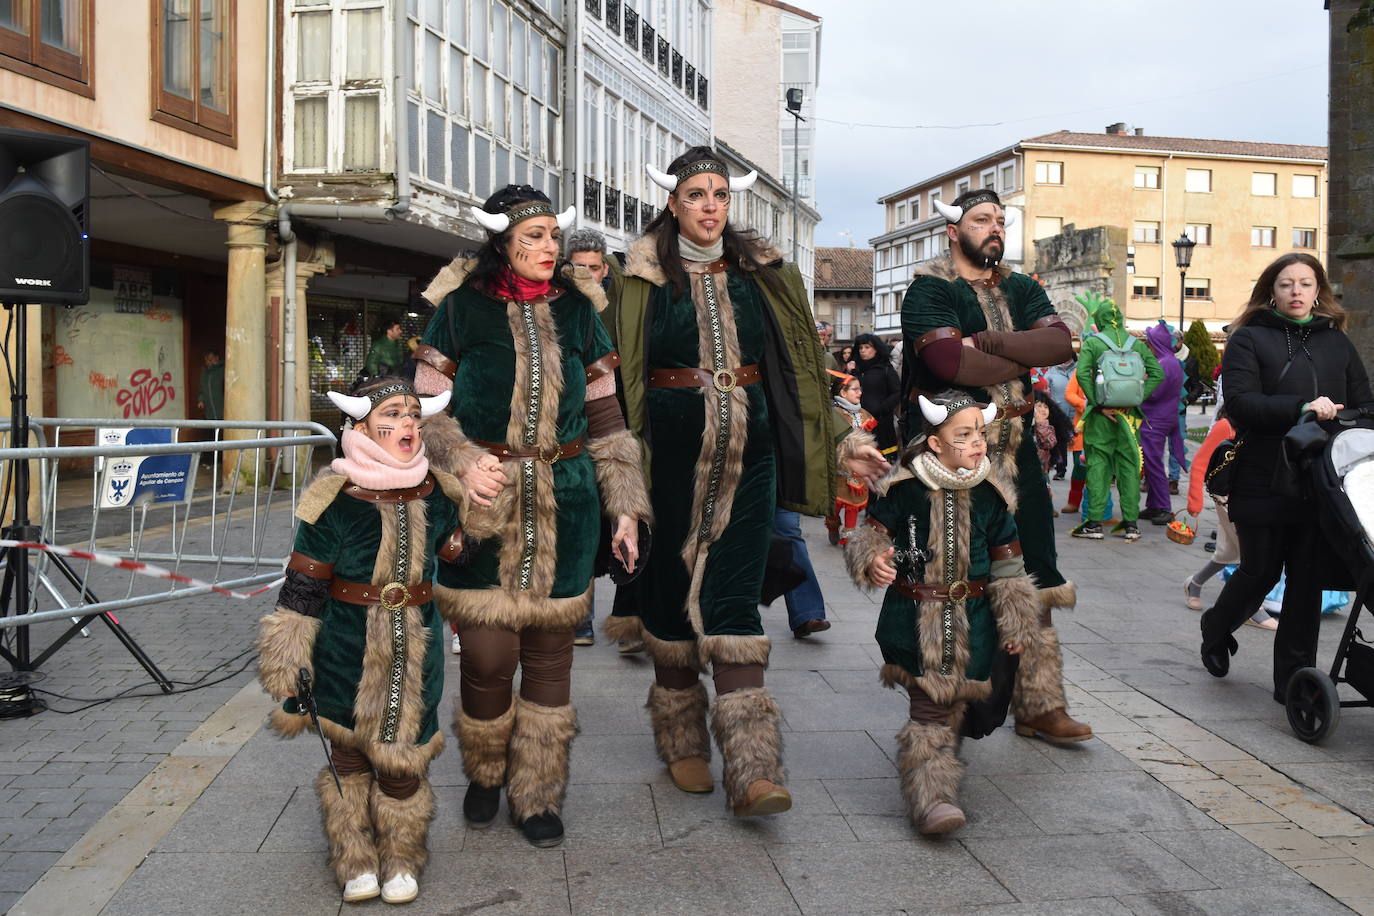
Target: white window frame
1257 235
1049 171
1137 282
1258 180
1187 181
1305 178
1146 172
1200 233
1140 229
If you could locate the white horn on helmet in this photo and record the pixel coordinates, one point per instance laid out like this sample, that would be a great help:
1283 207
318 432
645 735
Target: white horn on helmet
934 413
953 214
744 182
1013 216
662 179
357 408
495 223
430 406
989 414
567 218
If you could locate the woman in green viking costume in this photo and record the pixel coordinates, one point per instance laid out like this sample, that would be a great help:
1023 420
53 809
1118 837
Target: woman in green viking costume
943 522
723 377
355 613
532 373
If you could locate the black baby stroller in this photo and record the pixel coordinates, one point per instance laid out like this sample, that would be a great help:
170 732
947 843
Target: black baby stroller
1339 470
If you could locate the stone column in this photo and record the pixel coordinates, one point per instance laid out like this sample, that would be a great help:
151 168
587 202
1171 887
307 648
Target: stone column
245 336
1351 163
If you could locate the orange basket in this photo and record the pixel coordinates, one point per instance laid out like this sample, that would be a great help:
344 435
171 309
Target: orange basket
1179 532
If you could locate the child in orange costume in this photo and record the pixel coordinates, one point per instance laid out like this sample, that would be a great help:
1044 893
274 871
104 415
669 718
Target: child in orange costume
851 494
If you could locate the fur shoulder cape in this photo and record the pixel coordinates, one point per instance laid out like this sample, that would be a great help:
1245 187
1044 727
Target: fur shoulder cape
451 277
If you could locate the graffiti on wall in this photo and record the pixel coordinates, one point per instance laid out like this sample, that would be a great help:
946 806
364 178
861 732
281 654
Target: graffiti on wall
147 393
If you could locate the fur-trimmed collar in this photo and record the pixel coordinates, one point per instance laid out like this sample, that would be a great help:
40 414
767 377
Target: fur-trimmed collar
452 277
641 259
943 267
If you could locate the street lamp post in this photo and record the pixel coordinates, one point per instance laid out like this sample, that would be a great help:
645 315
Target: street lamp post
1183 256
794 105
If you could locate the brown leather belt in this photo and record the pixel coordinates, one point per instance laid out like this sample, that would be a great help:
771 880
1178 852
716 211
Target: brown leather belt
722 380
958 591
550 456
1003 413
391 596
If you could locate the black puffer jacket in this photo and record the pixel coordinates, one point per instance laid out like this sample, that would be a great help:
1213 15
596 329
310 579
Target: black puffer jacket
882 388
1264 401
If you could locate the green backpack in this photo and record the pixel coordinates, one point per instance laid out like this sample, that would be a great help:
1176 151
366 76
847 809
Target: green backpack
1120 378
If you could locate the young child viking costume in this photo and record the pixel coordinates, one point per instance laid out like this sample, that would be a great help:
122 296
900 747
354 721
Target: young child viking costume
961 590
532 370
1013 327
723 376
356 613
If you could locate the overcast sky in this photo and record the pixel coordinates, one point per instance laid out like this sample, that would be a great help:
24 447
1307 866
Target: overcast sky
1225 69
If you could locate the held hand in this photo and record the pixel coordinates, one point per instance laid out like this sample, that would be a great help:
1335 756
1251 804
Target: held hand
868 464
484 480
1324 408
625 541
881 572
1014 648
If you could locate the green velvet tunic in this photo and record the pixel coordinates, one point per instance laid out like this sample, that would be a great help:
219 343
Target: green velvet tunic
991 525
487 359
348 534
733 577
936 302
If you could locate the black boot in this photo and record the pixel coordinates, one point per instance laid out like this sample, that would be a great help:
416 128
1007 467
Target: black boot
543 829
480 804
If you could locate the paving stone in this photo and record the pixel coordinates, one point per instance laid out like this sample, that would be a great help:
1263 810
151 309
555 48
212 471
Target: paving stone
818 755
1225 858
1339 877
677 881
1067 867
1232 901
226 884
1287 841
878 877
1310 811
688 819
1225 803
1070 803
228 820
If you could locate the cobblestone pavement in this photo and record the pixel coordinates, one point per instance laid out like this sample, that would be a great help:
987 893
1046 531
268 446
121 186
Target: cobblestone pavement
1193 797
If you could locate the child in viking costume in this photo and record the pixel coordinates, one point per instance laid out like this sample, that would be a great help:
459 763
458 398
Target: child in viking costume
356 614
724 378
532 371
851 493
943 542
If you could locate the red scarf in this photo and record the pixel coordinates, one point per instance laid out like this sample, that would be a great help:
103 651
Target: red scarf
510 285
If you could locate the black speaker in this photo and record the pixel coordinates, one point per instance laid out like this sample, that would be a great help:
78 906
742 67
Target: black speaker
45 189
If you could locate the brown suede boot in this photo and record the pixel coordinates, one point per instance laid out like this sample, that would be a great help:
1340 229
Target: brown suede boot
745 723
692 774
1055 726
930 773
1037 700
762 797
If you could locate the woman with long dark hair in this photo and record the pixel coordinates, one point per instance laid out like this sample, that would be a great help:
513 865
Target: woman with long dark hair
1287 355
724 377
532 375
882 388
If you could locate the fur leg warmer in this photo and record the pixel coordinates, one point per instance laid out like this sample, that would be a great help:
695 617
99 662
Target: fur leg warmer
746 726
402 826
485 744
679 720
1016 607
929 767
286 644
618 460
537 778
347 824
1040 678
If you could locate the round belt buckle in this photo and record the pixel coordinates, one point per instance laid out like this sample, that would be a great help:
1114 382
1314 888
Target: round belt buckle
393 604
958 590
728 375
557 453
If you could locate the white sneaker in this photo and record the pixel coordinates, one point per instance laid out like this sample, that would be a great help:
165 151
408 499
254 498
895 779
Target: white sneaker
401 889
457 646
363 887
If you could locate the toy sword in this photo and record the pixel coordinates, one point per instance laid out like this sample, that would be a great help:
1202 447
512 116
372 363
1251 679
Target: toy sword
305 699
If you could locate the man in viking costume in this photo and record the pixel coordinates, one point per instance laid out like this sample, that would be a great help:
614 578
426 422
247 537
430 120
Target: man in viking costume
942 540
357 616
532 373
723 377
978 326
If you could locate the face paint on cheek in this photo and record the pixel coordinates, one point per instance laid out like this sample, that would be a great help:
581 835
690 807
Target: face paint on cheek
384 432
524 249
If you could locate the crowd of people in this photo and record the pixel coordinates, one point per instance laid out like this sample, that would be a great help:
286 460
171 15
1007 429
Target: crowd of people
664 420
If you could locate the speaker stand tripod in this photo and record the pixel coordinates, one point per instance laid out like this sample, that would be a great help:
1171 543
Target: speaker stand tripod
17 586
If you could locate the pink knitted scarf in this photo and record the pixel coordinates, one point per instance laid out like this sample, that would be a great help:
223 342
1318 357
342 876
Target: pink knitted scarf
369 465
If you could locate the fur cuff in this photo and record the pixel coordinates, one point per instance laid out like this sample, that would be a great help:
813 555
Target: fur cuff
622 629
863 547
620 475
849 447
672 653
1016 607
1039 679
734 650
679 721
448 447
746 726
1065 596
347 824
484 743
538 776
286 644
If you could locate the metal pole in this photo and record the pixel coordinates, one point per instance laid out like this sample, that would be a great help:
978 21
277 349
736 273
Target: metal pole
796 176
1182 296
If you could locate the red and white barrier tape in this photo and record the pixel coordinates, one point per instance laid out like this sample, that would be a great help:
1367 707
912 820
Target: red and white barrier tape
141 568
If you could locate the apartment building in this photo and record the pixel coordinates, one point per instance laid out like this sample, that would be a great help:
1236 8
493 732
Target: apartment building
1243 204
844 292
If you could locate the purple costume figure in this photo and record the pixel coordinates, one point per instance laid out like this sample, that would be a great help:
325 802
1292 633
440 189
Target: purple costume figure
1161 421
